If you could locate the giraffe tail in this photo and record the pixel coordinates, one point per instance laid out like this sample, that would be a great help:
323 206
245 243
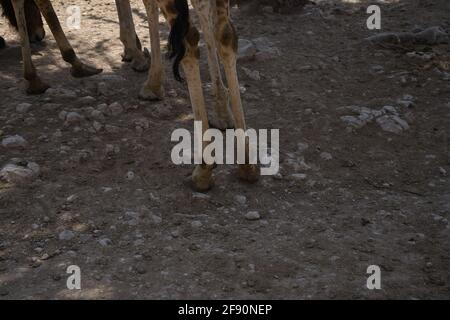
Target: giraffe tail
8 12
35 25
179 30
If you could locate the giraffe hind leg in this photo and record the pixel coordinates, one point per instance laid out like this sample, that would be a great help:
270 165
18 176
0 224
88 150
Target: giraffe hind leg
132 45
79 69
222 118
34 84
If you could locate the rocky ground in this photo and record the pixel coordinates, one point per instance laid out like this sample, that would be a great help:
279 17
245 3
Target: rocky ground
87 178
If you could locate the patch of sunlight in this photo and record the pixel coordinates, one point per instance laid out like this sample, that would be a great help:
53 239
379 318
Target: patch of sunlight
185 117
101 292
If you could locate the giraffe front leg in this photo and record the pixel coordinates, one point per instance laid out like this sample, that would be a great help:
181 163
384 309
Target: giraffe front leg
202 176
227 39
153 87
78 69
132 46
223 118
34 84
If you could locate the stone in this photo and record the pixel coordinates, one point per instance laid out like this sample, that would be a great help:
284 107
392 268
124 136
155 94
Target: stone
112 129
62 115
23 107
115 108
15 141
66 235
390 109
155 219
252 215
246 50
104 242
130 175
18 174
242 200
326 156
97 126
353 121
102 88
196 224
392 124
298 176
265 49
73 118
252 74
87 100
97 115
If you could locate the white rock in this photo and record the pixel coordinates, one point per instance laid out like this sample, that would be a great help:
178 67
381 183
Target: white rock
112 129
326 156
62 115
252 215
252 74
155 219
240 199
97 115
105 242
353 121
301 146
102 88
15 141
130 175
392 124
390 109
88 100
115 109
72 198
246 50
23 107
73 117
66 235
20 174
298 176
196 224
97 126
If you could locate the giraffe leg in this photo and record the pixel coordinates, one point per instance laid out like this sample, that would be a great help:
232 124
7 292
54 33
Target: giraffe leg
227 41
35 84
78 69
153 87
223 119
202 175
132 51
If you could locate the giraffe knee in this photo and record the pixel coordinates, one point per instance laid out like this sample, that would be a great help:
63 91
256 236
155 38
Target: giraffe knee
228 38
192 39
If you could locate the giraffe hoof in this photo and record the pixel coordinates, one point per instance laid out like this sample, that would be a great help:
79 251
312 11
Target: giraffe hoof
221 123
151 95
249 172
140 64
126 56
202 180
84 70
36 86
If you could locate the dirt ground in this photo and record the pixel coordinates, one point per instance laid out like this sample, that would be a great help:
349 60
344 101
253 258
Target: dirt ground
109 200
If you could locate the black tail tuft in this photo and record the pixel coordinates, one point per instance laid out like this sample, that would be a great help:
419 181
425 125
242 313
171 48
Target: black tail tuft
8 12
178 32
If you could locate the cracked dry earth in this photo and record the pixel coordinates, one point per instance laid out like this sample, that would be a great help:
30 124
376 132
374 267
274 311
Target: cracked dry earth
353 190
